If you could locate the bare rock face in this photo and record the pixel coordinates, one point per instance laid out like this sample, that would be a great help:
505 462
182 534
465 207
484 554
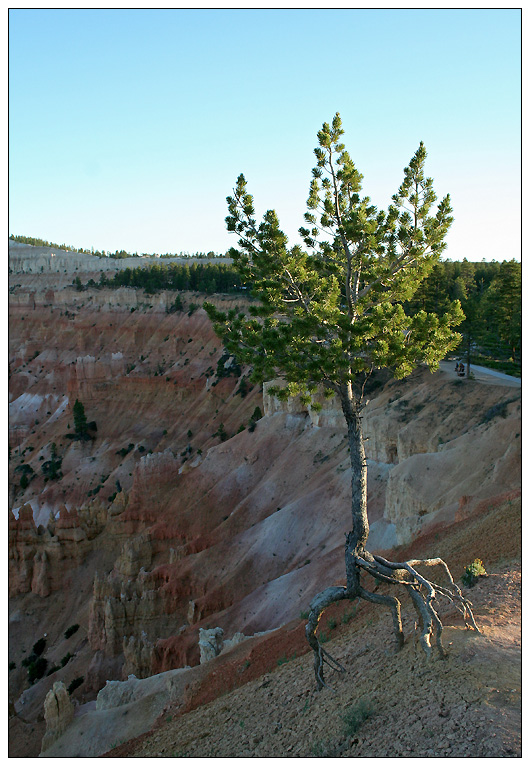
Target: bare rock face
58 713
138 653
135 554
210 643
40 583
121 608
39 556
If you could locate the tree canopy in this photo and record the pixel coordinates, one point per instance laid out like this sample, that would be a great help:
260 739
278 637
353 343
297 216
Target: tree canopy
332 313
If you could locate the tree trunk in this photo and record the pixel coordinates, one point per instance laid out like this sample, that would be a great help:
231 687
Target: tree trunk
422 591
468 370
356 539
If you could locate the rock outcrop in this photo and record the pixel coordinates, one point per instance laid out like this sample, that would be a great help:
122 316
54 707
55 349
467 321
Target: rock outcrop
210 643
58 713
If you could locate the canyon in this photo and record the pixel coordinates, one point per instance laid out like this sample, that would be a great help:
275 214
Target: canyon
199 501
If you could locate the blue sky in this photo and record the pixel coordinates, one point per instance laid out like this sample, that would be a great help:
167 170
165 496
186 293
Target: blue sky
128 128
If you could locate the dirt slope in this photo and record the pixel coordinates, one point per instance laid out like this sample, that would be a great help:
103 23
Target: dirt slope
468 705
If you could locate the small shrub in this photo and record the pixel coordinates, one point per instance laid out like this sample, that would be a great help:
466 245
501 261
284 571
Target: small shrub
36 668
324 749
66 658
71 630
52 670
12 665
39 646
221 433
243 388
346 617
357 715
304 615
472 572
75 683
332 623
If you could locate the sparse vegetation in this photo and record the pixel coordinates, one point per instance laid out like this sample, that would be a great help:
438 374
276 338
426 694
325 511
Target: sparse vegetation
71 630
75 684
221 433
357 715
39 646
36 664
472 573
52 467
497 410
256 415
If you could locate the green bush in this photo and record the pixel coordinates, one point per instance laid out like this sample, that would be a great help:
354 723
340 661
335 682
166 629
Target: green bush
256 415
39 646
498 410
52 670
36 669
75 683
221 433
71 630
472 572
357 715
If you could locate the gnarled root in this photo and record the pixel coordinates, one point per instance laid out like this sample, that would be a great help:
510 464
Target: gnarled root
423 593
317 606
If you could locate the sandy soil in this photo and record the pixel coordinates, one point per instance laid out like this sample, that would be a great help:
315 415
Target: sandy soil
468 705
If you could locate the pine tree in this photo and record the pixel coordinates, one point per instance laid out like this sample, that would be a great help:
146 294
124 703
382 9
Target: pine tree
80 421
502 303
331 315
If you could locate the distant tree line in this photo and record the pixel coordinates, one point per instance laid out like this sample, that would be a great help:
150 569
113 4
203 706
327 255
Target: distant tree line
208 278
489 292
490 295
37 242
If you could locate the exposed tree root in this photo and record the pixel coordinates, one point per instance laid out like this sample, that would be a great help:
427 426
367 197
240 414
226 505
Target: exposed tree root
423 593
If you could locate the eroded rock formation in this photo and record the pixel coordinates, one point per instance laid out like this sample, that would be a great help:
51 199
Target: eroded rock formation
58 713
158 528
